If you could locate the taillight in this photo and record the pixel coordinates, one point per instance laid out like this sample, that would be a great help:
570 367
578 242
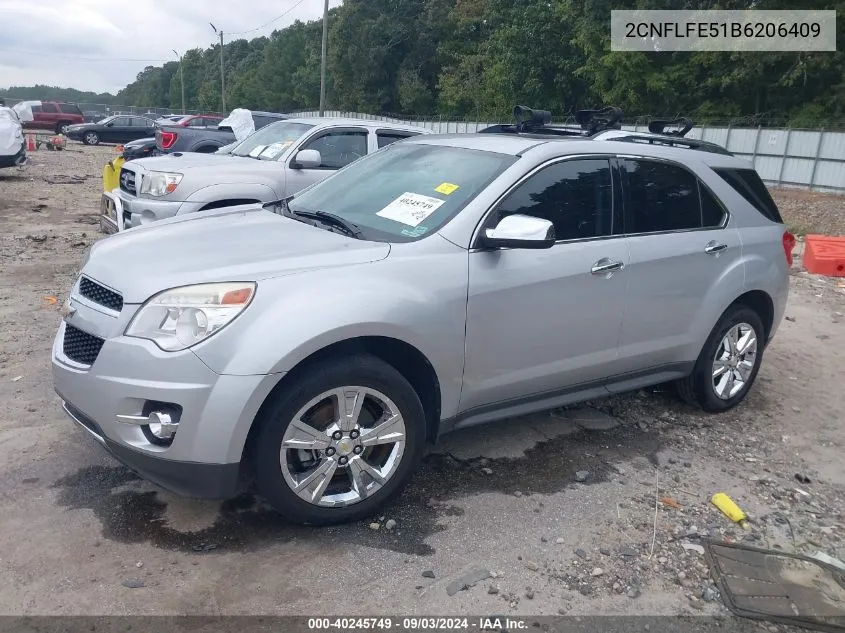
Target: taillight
788 245
165 139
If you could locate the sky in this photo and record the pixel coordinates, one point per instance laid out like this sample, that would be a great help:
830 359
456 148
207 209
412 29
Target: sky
83 44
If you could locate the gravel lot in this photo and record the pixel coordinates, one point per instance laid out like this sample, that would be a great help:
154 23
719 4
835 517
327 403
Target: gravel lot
82 535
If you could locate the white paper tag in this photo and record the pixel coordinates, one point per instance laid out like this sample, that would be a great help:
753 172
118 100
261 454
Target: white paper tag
410 208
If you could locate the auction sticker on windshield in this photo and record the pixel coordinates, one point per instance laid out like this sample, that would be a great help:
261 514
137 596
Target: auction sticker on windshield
410 208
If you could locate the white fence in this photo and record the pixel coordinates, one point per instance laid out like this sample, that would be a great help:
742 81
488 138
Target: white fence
813 159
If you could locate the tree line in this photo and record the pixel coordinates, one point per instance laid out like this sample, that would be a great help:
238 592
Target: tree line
476 59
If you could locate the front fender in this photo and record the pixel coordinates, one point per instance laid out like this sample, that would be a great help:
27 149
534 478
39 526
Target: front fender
231 191
297 315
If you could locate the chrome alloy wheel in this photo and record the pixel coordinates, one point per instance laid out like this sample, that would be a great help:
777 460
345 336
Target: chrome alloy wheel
342 446
734 361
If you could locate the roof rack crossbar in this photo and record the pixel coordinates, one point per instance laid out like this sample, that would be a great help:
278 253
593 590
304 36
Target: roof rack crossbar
592 121
677 127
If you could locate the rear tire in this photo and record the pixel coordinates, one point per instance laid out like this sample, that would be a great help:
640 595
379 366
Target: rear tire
91 138
728 364
305 413
61 127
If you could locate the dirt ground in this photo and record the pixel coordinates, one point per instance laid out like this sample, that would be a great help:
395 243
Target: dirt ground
82 535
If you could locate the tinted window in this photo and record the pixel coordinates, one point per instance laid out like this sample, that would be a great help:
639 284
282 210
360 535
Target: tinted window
339 148
35 109
386 138
141 122
70 109
212 123
660 197
574 195
712 212
122 121
748 184
49 107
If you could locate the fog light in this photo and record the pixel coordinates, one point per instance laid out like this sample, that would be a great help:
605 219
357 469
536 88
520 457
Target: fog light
162 426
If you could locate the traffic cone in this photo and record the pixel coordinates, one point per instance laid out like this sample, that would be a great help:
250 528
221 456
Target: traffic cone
30 142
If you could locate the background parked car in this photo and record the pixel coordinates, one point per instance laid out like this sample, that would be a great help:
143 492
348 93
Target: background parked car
142 148
114 129
206 140
53 115
92 116
272 163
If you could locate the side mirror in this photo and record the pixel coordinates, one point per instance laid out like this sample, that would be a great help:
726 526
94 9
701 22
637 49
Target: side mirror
519 231
307 159
110 123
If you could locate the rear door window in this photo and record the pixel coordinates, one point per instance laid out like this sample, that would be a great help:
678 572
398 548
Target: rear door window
660 197
49 108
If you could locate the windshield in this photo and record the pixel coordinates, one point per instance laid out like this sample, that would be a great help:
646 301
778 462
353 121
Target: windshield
405 191
271 141
106 120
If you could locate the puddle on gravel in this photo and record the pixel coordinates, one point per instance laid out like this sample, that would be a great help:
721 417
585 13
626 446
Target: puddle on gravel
247 523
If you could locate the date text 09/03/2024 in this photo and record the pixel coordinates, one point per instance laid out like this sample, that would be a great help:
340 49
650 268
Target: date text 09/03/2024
417 624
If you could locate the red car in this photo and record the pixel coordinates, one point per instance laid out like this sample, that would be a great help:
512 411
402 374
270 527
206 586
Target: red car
54 116
198 120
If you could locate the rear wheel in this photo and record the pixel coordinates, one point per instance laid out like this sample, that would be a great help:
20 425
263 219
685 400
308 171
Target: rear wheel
61 127
728 363
339 440
91 138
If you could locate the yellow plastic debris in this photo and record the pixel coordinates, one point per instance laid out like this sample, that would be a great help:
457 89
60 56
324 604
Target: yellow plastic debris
730 509
111 174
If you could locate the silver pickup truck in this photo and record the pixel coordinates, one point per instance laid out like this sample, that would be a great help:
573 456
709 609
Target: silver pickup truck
272 163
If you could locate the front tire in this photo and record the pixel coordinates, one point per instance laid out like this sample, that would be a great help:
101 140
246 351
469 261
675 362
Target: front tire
728 364
339 440
91 138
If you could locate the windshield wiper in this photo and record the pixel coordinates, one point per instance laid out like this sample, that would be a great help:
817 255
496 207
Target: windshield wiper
330 218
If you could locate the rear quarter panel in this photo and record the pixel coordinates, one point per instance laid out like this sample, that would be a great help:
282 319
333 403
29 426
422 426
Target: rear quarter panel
764 261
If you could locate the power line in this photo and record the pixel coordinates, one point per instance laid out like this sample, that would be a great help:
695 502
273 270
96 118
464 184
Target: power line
83 59
278 17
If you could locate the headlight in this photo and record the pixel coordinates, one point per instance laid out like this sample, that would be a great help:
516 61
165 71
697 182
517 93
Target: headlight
179 318
160 183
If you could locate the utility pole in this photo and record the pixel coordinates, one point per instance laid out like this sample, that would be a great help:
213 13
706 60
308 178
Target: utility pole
323 60
181 80
222 77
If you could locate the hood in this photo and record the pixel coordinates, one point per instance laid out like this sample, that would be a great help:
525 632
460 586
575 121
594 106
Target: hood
244 243
230 169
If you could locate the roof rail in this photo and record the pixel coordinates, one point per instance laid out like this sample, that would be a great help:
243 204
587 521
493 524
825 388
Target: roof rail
670 141
678 127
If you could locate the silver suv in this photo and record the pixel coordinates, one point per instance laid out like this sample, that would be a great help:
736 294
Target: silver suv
439 283
273 162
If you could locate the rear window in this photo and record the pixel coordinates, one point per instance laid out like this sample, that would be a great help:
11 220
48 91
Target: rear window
748 184
386 138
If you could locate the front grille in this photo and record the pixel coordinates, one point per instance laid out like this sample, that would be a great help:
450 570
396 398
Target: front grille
100 294
80 346
127 181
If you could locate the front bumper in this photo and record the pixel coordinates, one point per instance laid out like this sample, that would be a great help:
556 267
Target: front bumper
129 374
190 479
138 211
16 159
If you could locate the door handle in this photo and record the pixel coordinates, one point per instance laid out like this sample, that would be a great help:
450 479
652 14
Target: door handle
605 266
713 248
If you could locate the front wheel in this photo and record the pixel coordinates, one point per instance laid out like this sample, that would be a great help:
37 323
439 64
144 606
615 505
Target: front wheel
91 138
339 440
728 363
